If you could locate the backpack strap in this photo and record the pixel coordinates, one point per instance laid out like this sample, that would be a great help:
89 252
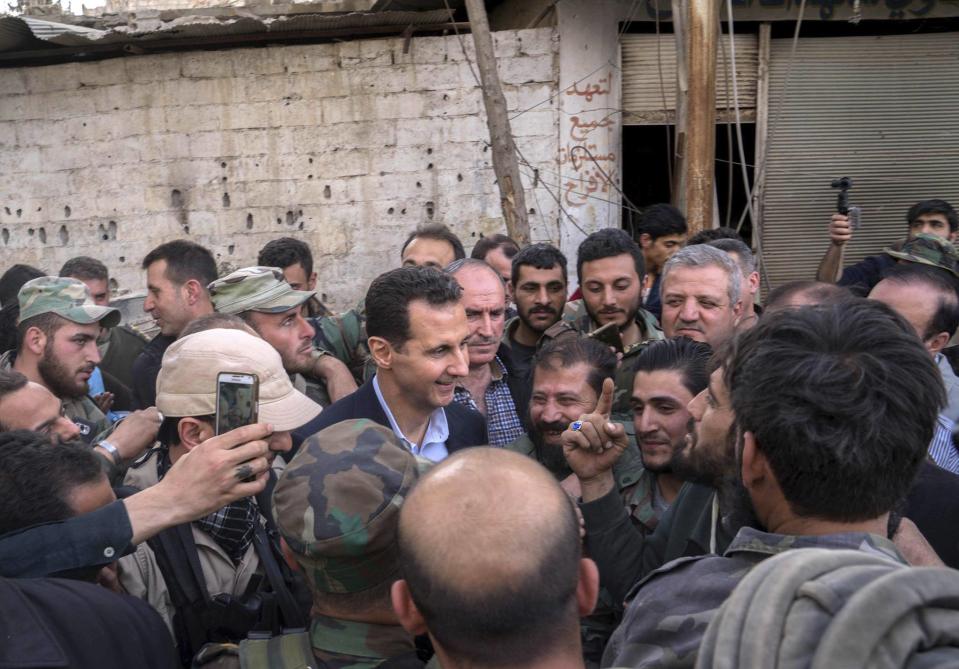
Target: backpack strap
179 563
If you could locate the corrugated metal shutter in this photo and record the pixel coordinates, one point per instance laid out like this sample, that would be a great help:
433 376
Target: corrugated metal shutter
643 96
881 110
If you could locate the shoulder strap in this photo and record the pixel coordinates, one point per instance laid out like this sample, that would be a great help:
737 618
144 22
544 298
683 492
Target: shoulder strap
179 563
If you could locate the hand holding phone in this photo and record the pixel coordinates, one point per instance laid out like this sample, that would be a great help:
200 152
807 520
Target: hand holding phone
237 397
609 335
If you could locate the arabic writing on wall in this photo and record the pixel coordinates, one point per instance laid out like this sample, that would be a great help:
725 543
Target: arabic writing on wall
587 160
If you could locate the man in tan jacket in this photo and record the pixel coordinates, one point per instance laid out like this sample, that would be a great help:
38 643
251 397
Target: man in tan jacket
222 542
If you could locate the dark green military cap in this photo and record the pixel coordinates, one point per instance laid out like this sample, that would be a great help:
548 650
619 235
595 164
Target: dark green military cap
65 297
256 289
337 505
928 249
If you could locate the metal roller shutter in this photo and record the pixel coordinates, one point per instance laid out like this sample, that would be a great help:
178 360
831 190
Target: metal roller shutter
643 96
881 110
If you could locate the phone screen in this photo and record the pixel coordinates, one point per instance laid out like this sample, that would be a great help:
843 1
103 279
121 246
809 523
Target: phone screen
237 396
609 335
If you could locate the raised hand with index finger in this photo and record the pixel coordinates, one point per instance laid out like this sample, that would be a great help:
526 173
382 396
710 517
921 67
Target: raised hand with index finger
592 445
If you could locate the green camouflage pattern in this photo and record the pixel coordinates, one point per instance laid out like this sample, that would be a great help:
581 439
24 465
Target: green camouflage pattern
576 315
315 390
669 611
344 337
337 505
256 289
929 250
65 297
347 644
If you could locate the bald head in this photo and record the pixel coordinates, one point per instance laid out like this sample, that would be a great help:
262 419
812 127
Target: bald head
490 553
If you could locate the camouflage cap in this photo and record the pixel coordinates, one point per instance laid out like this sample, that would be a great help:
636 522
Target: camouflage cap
65 297
338 502
928 250
256 289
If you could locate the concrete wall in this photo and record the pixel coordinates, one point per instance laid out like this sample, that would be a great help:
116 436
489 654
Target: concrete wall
591 131
348 146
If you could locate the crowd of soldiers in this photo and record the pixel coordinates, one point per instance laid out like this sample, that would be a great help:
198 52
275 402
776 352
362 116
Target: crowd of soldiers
474 467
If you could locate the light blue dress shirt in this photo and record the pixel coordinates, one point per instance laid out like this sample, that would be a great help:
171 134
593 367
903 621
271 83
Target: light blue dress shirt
437 431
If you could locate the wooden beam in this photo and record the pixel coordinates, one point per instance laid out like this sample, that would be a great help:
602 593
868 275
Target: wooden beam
762 130
701 35
505 164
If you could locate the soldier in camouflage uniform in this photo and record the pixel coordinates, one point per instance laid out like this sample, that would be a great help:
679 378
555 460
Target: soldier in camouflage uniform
927 249
262 297
811 476
59 325
611 269
337 508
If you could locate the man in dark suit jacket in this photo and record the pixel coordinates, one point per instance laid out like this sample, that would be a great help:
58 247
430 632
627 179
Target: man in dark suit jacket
417 333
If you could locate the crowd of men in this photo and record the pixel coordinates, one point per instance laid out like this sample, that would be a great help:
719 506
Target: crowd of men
478 466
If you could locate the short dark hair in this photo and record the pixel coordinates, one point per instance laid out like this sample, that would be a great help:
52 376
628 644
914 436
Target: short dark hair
744 255
12 281
513 621
572 350
439 232
817 291
712 234
486 244
185 261
85 267
284 252
662 219
540 256
681 354
934 207
48 323
37 477
10 382
389 296
842 400
942 282
607 243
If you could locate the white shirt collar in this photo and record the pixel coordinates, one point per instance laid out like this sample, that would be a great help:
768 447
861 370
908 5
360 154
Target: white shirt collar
437 430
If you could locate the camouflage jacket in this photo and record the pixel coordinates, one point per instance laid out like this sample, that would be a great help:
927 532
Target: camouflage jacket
346 644
344 337
667 617
575 314
313 389
81 410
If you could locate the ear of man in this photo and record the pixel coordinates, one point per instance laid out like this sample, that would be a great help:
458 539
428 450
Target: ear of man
405 609
34 341
937 342
645 240
381 351
587 588
193 432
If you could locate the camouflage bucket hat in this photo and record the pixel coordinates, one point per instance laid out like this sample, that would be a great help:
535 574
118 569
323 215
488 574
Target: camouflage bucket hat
338 502
930 250
65 297
256 289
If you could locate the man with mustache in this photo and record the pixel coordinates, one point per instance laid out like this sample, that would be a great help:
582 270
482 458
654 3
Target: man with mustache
539 291
702 295
487 388
611 269
265 301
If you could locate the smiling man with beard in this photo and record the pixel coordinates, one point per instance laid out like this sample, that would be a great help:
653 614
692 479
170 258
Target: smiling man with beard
611 270
58 329
669 374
